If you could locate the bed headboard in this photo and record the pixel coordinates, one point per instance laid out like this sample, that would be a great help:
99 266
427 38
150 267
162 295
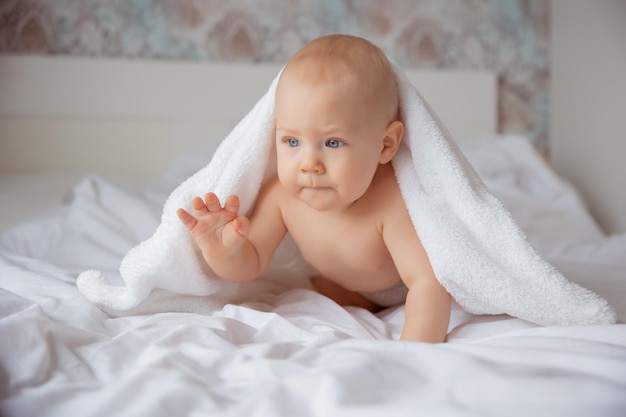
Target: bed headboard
130 119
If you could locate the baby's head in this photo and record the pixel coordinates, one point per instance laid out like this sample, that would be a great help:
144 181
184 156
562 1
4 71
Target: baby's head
357 64
336 120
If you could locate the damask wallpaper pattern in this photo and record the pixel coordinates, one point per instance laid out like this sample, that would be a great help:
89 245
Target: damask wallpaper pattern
510 37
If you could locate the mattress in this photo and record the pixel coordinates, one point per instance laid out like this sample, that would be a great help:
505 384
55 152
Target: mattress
290 352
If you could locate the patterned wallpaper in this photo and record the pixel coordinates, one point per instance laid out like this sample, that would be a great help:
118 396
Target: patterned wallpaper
510 37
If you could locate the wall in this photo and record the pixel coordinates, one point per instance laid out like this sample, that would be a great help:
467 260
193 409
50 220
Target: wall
588 125
509 37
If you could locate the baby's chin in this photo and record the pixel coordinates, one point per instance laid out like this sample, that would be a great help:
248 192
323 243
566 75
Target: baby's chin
321 198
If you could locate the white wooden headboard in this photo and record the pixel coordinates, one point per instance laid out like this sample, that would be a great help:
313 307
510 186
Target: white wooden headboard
129 119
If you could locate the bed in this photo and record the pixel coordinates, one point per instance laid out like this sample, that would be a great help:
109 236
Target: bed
89 151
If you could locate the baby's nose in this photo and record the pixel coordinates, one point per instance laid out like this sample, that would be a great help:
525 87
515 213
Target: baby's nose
312 164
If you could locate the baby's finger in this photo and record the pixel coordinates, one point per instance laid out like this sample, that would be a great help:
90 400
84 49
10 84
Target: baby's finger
212 202
198 205
232 204
187 219
235 232
242 226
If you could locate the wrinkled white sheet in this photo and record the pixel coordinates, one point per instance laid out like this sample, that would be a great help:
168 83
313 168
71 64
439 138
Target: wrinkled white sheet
293 352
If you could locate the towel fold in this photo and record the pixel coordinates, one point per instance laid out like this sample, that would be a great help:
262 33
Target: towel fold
476 249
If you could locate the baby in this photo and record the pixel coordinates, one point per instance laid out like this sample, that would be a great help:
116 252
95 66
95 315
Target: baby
335 191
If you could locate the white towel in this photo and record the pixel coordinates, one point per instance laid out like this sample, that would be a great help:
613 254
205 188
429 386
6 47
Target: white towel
477 251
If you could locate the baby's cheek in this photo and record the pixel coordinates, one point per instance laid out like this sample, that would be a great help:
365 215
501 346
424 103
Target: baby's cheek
361 173
282 170
286 176
357 183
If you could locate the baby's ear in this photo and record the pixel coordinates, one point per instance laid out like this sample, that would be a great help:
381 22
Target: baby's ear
391 141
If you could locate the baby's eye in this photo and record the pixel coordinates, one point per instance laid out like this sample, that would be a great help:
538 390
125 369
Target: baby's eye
334 143
293 142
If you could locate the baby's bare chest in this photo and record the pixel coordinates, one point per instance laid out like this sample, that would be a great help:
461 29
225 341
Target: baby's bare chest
351 252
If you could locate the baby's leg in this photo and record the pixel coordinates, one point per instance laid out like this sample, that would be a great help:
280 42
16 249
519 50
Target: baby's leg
341 295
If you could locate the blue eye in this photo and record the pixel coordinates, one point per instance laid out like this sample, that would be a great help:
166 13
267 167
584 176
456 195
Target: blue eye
334 143
293 142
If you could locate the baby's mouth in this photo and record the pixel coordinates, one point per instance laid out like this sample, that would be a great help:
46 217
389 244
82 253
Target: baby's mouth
315 187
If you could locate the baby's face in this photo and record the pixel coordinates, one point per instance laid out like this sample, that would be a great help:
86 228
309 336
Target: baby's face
328 140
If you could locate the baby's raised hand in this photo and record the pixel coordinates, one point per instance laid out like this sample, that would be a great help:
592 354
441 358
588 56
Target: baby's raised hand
218 231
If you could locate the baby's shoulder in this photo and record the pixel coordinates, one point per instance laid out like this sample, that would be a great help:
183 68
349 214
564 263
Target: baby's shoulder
270 192
386 198
270 186
392 213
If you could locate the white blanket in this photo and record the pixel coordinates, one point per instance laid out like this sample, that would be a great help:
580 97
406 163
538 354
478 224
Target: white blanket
477 251
295 353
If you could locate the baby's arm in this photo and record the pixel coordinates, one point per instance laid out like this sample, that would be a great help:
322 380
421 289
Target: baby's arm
235 247
427 309
427 313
